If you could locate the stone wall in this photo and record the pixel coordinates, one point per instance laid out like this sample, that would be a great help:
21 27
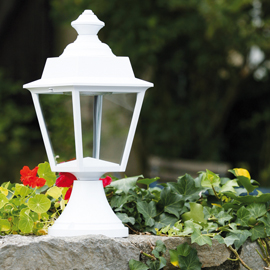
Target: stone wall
103 253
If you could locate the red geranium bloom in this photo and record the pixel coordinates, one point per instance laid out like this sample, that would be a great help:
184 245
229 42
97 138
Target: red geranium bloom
30 178
68 193
106 181
66 180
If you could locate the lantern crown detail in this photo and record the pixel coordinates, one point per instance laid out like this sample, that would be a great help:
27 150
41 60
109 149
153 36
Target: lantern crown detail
87 61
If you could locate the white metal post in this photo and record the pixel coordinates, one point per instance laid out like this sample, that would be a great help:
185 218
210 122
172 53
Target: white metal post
77 128
43 129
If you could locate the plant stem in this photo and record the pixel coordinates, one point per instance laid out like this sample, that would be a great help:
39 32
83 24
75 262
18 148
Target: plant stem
152 257
238 257
215 192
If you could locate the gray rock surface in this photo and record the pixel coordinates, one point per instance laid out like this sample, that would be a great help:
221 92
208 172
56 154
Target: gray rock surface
98 252
250 256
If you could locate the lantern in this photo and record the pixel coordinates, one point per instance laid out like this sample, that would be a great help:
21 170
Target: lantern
94 84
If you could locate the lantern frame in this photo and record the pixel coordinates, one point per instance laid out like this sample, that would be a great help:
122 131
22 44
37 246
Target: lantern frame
88 67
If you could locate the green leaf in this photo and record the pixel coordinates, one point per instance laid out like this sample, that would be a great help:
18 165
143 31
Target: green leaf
21 190
136 265
125 184
26 224
181 250
228 240
147 181
54 192
39 204
165 220
190 262
243 216
266 221
119 200
4 225
257 231
246 183
3 200
257 209
171 203
159 249
149 211
223 217
34 216
210 179
196 213
185 186
242 237
200 239
45 172
229 186
125 218
249 198
184 249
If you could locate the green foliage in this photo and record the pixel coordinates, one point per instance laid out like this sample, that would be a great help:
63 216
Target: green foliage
184 257
25 210
205 208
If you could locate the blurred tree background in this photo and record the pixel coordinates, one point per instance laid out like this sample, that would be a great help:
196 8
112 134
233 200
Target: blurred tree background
208 59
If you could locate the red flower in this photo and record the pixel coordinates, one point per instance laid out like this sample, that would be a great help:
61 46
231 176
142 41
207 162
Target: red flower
30 178
66 180
68 193
106 181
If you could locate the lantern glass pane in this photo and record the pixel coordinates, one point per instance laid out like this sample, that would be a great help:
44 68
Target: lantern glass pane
58 117
106 121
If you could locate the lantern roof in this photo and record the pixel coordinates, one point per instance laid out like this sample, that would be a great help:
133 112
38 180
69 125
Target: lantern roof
88 62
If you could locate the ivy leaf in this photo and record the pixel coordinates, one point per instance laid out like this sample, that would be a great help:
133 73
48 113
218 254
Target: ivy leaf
147 181
125 218
119 200
229 186
125 184
165 220
242 237
185 186
3 200
171 203
39 203
181 250
243 216
256 209
246 183
266 221
196 213
223 217
190 262
154 265
45 172
137 265
26 224
228 240
4 225
257 232
249 198
200 239
149 211
210 179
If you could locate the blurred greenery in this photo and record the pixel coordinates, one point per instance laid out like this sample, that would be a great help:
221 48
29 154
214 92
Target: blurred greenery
210 101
